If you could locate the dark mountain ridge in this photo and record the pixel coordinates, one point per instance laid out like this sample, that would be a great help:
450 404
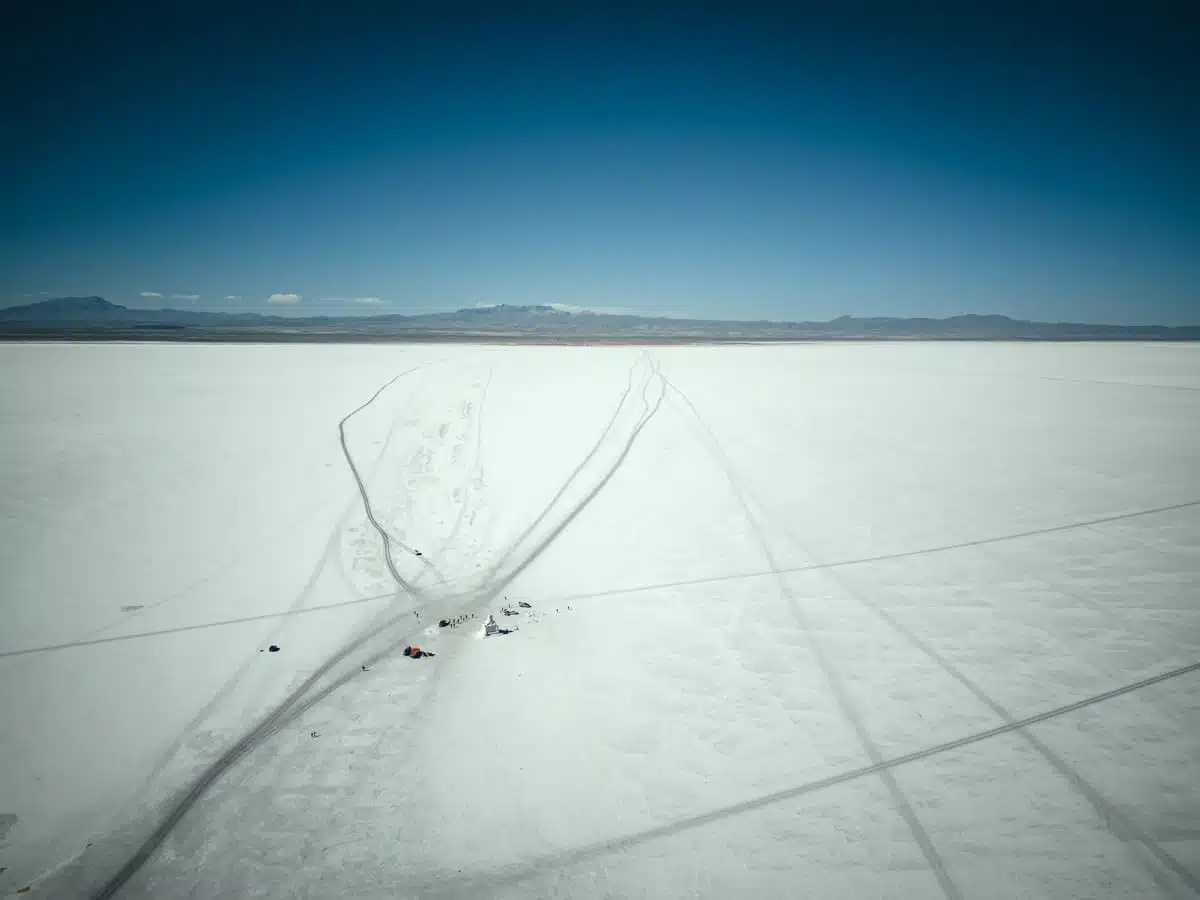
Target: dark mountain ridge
94 317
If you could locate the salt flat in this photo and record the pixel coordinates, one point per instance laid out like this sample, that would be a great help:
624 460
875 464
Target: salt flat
790 608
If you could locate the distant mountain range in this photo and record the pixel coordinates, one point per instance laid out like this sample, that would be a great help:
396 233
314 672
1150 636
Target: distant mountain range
94 318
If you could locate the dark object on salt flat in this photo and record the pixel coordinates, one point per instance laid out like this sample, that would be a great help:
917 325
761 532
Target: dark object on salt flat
274 648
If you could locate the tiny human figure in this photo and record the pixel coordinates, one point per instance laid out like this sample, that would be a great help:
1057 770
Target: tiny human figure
416 652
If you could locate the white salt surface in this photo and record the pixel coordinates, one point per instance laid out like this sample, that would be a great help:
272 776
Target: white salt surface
772 589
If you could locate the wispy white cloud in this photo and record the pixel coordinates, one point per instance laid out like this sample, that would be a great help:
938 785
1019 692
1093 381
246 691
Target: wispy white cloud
150 294
233 297
284 298
191 298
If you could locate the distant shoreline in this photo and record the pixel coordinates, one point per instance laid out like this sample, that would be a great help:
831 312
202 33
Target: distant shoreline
95 319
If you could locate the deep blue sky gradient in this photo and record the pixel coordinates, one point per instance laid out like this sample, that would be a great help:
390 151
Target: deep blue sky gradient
733 165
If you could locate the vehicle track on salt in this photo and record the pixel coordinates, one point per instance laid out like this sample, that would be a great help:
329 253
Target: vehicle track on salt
199 626
455 884
273 720
565 486
710 579
491 588
125 825
870 560
1117 821
498 583
492 582
301 698
386 538
297 606
834 680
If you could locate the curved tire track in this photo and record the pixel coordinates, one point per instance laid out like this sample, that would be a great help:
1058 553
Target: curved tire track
302 698
277 717
362 488
529 529
648 413
296 607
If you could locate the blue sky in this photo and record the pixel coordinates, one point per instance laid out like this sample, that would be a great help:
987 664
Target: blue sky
733 165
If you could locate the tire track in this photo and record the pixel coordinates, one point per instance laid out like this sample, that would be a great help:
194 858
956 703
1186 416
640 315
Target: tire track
648 413
1133 384
492 583
1121 825
277 717
488 593
296 608
392 539
489 589
529 529
868 560
199 626
424 560
451 884
837 687
291 707
362 488
490 586
303 698
375 467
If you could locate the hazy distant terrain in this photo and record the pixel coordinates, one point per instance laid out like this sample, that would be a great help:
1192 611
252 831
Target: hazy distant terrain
93 318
